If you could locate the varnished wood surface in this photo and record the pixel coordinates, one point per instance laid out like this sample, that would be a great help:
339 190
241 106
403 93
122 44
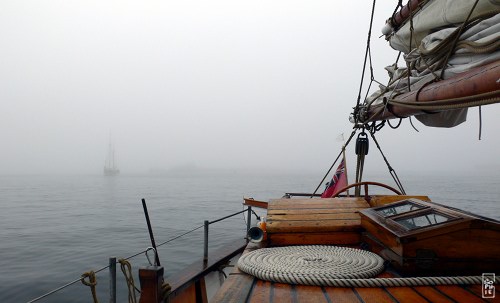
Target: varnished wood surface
314 221
313 226
337 238
254 203
465 245
242 288
182 282
318 203
379 200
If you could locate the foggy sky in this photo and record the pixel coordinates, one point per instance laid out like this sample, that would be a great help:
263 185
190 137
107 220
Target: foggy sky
214 84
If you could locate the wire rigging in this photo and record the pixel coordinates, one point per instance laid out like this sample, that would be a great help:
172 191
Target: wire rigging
364 63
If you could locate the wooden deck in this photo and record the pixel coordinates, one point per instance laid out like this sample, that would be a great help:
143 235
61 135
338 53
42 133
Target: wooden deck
326 221
243 288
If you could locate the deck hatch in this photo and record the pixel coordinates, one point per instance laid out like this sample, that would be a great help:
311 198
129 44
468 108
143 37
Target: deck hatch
426 219
399 208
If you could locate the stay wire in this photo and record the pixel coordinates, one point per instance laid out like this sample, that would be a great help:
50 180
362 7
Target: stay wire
364 62
393 173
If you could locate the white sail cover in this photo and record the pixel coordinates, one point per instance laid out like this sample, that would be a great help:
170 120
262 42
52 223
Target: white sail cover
477 46
437 14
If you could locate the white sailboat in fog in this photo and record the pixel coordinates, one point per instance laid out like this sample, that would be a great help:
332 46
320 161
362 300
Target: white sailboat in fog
110 167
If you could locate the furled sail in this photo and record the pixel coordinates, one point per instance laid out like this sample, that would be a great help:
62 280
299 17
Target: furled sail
450 65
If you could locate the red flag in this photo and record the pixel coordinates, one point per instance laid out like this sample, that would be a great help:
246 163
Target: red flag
339 181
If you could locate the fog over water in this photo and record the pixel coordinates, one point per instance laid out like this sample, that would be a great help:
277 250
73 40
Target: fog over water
260 85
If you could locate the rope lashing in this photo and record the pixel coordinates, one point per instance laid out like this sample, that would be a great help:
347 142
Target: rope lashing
126 268
310 264
322 265
92 282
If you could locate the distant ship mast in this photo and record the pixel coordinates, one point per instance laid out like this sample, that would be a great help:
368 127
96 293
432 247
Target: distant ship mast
110 167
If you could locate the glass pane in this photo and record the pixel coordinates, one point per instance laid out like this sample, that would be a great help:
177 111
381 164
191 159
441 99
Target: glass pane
423 220
400 208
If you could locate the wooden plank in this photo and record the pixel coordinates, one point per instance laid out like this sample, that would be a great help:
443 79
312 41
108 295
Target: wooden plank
469 243
316 205
406 294
281 293
432 295
312 211
236 288
458 294
339 238
374 294
313 217
313 226
261 292
342 295
476 289
350 202
309 294
382 200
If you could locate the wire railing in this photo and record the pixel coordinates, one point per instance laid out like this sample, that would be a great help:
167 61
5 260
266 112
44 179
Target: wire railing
112 262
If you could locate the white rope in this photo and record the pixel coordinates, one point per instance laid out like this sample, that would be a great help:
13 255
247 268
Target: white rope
311 264
324 265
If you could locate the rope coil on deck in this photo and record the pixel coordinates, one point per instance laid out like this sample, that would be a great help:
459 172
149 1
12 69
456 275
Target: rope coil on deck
323 265
311 264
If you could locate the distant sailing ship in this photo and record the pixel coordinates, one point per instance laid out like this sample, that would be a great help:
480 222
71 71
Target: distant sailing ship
110 168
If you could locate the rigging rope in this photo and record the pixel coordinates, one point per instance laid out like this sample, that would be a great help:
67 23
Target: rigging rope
364 63
411 123
324 265
392 172
452 48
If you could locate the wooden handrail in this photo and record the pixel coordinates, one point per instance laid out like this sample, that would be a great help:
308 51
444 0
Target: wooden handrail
254 203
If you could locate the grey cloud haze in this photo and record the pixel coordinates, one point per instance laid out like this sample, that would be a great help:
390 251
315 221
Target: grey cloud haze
216 84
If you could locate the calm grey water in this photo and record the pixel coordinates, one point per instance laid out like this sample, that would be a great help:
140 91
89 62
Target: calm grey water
54 228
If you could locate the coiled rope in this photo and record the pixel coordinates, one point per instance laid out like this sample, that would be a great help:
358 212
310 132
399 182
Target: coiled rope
323 265
311 264
126 268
